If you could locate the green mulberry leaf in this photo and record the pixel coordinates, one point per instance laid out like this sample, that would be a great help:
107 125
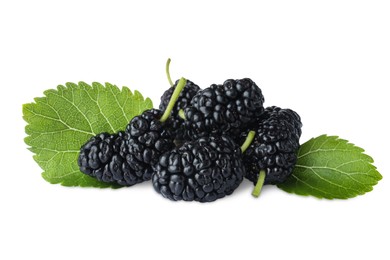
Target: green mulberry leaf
332 168
64 119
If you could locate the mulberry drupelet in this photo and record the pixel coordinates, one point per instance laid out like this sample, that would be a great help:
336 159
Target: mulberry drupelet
203 170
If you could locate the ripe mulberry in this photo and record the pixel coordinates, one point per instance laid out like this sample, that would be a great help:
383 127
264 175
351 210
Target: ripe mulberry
106 157
127 157
148 137
274 146
177 123
224 109
203 170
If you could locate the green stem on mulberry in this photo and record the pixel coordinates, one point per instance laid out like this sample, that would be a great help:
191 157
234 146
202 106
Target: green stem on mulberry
172 101
167 71
260 182
248 141
182 114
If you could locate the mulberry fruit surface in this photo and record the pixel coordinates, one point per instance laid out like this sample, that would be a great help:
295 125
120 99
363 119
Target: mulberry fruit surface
148 137
106 158
203 170
177 123
274 146
224 109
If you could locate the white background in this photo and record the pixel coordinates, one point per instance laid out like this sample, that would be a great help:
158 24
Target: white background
328 60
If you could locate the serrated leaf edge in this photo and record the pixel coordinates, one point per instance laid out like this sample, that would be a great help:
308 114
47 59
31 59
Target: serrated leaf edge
360 150
74 86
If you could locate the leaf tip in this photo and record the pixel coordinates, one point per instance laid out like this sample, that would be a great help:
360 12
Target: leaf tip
95 86
138 95
25 109
149 101
126 90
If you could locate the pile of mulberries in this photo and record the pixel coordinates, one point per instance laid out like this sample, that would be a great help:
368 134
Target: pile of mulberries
200 144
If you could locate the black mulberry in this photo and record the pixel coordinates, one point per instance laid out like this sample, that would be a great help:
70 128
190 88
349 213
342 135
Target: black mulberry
148 137
127 157
106 157
177 123
274 146
224 109
203 170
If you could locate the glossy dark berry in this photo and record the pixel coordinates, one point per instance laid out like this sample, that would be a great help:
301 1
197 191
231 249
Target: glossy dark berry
148 137
274 146
106 158
224 109
203 170
126 158
177 123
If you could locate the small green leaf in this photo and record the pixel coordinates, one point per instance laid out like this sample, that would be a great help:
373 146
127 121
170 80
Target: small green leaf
64 119
332 168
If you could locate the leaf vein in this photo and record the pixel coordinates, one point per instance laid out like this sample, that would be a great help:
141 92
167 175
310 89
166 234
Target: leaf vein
325 179
324 150
72 104
310 186
117 102
61 121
